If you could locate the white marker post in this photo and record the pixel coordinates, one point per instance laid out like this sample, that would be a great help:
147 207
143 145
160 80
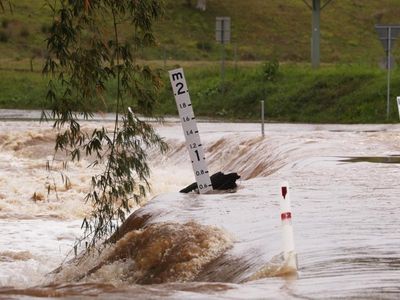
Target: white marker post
190 130
398 105
287 228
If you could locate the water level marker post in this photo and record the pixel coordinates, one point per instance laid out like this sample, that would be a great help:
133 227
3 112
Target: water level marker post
190 130
289 253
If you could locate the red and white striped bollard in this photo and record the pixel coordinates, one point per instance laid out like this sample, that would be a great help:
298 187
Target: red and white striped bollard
289 253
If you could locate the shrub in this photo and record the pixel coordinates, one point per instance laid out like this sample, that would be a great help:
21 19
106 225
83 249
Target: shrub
247 56
5 23
205 46
24 32
38 52
270 70
45 28
4 36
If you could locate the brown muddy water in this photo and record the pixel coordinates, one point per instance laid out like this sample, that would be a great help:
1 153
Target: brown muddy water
345 200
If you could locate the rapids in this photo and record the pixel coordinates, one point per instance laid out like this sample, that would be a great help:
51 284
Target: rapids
217 246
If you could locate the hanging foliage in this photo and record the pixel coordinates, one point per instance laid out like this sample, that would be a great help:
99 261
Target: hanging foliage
4 4
87 52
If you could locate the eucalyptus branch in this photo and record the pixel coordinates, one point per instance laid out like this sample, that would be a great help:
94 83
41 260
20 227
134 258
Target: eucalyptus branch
84 59
3 7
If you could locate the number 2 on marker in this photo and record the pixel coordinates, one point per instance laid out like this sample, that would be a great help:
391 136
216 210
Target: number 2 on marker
179 85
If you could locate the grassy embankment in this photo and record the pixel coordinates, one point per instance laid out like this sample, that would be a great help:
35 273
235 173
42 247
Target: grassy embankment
261 30
296 93
345 94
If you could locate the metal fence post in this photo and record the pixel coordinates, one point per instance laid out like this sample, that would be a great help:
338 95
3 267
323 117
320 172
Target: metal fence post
262 118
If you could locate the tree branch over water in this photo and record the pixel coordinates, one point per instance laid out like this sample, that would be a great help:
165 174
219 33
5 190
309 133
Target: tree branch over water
87 51
4 4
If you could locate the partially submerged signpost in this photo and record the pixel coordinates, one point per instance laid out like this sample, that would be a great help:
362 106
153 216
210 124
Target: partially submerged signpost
190 130
388 35
223 36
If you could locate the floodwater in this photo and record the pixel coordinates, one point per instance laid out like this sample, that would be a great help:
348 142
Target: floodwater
345 200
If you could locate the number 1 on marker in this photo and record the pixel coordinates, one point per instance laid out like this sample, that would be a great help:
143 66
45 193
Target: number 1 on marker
191 133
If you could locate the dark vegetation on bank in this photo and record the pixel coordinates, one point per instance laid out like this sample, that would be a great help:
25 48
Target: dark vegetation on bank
292 93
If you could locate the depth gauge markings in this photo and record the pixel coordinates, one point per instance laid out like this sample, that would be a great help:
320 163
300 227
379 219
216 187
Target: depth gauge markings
190 130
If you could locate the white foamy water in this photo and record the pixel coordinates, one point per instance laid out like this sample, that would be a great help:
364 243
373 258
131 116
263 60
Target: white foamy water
347 232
